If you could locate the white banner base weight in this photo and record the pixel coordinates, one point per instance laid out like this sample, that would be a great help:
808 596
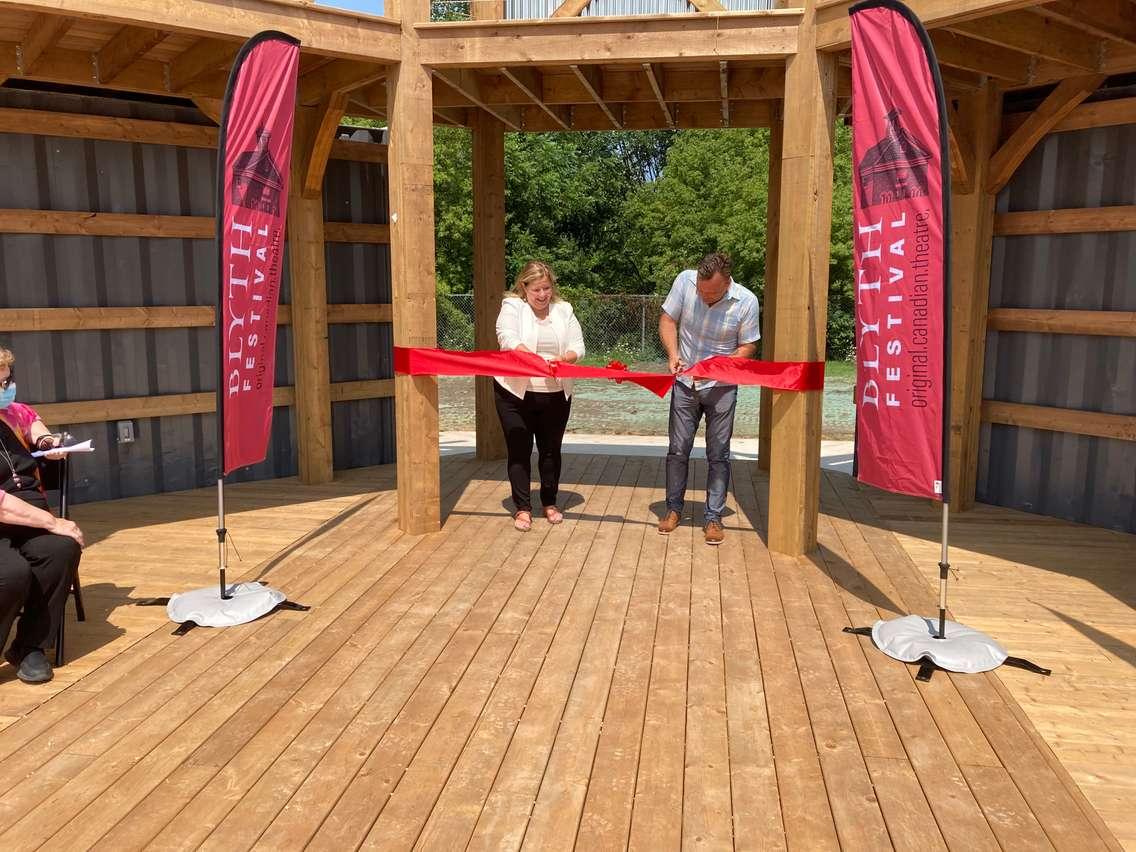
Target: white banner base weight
206 608
914 638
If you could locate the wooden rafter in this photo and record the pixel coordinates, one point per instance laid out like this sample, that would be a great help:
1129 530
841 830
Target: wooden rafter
1060 102
530 81
960 51
469 85
337 78
355 103
655 78
128 45
446 116
204 57
42 35
1036 36
647 117
724 89
961 153
1097 114
1110 19
570 9
591 78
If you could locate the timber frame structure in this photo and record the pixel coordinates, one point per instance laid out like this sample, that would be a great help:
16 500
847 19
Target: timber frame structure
783 68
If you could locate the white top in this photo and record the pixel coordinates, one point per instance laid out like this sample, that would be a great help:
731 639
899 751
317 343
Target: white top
548 347
517 325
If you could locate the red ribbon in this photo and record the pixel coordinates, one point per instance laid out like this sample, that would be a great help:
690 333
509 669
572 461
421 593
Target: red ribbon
779 375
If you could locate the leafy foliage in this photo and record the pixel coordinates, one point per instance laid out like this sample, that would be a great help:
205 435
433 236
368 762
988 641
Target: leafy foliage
625 212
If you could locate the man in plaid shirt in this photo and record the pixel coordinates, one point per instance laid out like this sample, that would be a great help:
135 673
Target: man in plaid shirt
706 313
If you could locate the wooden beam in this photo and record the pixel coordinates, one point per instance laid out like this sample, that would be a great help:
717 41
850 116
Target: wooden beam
769 308
1097 114
972 216
451 117
707 5
1036 36
488 161
469 85
802 289
655 78
958 51
122 51
1121 427
112 128
356 232
1060 102
1110 19
832 20
204 57
332 32
1087 220
68 222
530 81
768 35
591 78
1102 323
44 32
178 316
413 283
329 114
724 90
174 404
309 312
337 78
570 9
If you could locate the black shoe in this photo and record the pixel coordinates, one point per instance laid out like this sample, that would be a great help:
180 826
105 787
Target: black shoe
32 667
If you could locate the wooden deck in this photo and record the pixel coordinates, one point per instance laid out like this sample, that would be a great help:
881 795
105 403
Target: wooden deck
592 684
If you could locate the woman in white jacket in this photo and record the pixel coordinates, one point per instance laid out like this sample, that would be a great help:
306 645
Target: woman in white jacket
534 319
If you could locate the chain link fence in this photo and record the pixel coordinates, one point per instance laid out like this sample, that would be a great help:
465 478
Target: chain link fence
618 327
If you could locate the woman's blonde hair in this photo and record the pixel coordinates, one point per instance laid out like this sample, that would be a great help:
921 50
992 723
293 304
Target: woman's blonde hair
532 271
7 359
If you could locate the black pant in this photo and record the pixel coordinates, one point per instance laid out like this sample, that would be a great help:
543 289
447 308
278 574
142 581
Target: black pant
36 568
543 416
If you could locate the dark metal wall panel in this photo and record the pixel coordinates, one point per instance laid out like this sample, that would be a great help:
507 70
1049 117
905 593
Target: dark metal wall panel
362 430
176 452
1077 477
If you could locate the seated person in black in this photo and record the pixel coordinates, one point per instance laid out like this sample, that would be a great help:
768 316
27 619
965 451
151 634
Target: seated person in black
38 551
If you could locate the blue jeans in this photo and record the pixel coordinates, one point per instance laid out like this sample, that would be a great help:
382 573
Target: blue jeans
687 407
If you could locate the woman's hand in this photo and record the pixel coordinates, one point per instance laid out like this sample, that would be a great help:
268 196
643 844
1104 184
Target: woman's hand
569 357
55 455
62 526
522 348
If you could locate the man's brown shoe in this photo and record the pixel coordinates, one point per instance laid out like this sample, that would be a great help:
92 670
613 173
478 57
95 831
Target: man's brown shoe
714 532
669 522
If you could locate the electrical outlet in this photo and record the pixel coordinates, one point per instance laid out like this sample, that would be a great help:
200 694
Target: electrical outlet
125 430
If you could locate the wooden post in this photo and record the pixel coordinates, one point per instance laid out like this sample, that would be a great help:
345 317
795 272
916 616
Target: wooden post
972 226
769 307
488 266
802 291
309 313
411 181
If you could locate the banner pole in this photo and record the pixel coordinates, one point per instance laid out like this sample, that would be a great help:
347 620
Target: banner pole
221 532
944 570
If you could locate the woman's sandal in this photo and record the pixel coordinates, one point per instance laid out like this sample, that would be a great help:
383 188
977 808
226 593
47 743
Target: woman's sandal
553 514
522 520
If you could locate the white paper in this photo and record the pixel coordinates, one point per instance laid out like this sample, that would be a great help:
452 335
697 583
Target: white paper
84 447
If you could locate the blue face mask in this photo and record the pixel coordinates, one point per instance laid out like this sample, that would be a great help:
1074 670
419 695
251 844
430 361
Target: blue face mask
8 395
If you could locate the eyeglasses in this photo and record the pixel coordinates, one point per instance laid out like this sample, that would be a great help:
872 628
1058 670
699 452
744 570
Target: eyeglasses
11 380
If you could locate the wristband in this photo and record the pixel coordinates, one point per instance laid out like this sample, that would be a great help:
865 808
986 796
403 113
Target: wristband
45 442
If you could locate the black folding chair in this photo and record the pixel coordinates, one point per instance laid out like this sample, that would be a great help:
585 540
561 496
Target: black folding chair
55 474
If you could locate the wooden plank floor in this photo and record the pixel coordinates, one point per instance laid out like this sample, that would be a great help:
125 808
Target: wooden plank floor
592 684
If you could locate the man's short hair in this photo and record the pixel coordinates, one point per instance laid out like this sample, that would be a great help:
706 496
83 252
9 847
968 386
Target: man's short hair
714 263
